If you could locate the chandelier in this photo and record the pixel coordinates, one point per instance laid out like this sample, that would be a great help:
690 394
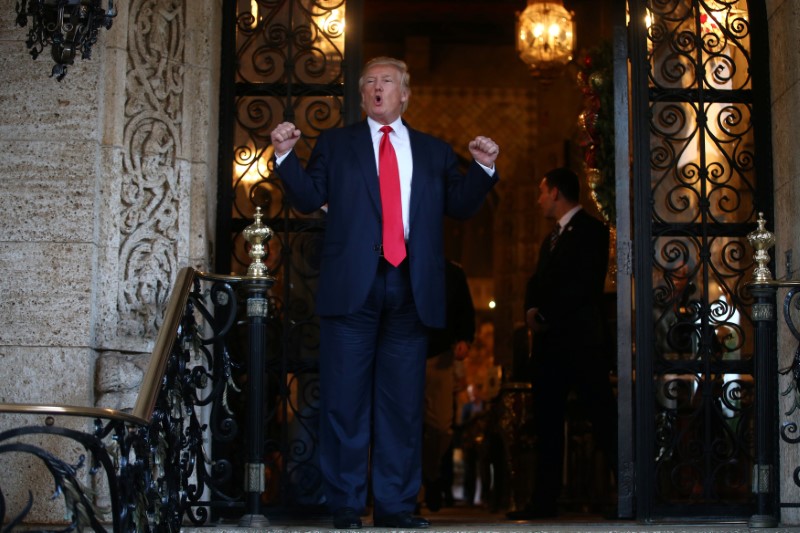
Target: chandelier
66 26
545 37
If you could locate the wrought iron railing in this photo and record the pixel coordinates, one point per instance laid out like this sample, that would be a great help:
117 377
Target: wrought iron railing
156 463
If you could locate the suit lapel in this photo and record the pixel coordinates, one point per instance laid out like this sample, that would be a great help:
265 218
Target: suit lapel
418 177
566 235
364 153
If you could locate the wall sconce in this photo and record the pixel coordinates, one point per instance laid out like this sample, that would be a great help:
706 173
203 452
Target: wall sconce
67 26
545 37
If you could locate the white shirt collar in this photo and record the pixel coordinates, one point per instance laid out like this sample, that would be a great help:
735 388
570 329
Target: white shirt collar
375 127
564 220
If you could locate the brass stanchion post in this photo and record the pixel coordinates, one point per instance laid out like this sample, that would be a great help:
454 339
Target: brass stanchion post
257 285
765 373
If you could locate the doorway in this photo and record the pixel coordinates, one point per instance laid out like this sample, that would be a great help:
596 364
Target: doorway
695 159
700 175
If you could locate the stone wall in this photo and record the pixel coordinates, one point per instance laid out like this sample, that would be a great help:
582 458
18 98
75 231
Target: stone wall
784 27
107 186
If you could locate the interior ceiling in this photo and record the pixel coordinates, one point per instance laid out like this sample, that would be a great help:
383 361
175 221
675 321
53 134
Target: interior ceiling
487 22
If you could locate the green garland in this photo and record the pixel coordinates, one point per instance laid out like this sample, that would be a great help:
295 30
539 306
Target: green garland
596 125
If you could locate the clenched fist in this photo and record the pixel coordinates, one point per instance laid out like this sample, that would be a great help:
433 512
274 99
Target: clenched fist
484 150
284 137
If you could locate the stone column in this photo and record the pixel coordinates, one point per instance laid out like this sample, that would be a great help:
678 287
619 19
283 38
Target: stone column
784 26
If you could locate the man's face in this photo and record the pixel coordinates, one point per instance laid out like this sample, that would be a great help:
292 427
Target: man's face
547 198
382 94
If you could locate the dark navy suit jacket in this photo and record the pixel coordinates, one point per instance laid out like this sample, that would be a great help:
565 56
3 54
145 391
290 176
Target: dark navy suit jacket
567 286
342 173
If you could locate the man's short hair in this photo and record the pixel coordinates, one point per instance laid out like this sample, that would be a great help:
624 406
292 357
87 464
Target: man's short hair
566 181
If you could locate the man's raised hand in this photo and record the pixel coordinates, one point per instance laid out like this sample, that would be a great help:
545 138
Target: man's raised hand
284 137
484 150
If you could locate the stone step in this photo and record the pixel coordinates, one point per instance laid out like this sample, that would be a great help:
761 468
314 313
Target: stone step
466 520
513 527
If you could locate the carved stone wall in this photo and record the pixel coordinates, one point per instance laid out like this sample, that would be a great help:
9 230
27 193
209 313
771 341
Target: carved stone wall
160 204
154 166
107 188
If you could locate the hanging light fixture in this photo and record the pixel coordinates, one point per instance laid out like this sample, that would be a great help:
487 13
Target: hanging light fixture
545 37
66 26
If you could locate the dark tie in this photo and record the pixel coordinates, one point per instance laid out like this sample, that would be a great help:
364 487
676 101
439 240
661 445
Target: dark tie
556 233
394 244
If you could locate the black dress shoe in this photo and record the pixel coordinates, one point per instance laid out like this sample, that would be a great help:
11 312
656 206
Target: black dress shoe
401 521
532 512
346 518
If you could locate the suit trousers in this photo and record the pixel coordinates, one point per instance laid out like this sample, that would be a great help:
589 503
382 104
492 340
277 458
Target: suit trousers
555 373
372 378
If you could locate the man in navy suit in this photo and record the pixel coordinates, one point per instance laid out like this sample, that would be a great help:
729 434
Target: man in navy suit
564 309
375 315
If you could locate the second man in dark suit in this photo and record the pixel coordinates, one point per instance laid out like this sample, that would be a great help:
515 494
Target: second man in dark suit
564 310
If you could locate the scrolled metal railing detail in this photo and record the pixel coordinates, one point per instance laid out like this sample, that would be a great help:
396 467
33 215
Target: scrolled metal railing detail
109 452
202 374
157 463
78 500
791 302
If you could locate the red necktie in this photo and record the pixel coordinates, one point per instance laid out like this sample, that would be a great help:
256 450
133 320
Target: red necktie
394 244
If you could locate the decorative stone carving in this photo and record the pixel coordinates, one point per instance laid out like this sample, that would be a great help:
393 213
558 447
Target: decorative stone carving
151 188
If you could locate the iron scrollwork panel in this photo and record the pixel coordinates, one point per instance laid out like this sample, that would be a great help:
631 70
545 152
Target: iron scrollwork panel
309 34
289 66
703 202
696 304
702 161
703 44
703 431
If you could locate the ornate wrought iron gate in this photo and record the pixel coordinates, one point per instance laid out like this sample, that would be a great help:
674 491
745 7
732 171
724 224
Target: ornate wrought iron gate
282 60
701 174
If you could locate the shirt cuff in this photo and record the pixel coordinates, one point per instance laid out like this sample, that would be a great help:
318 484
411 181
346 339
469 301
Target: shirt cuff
488 170
279 159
